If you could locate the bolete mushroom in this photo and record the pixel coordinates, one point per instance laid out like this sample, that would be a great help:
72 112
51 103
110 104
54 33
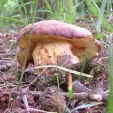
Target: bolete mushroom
47 41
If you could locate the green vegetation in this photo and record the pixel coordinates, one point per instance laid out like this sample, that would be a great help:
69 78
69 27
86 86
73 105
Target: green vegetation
97 12
23 12
110 81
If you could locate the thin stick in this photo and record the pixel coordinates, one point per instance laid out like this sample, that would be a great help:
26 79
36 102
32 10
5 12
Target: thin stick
64 69
36 110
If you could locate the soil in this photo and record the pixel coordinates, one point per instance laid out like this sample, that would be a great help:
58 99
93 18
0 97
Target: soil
41 92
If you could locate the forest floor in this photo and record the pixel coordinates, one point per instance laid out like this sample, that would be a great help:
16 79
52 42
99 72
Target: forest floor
46 94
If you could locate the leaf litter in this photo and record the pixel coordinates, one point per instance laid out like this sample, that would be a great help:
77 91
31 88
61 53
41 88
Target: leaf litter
48 94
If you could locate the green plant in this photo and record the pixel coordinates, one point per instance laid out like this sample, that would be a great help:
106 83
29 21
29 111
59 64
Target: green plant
17 12
100 13
65 10
23 12
110 81
7 9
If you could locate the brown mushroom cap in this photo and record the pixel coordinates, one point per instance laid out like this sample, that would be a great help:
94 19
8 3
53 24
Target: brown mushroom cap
54 27
51 36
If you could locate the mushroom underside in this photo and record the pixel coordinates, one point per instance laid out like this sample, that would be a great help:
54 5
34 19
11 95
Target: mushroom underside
52 49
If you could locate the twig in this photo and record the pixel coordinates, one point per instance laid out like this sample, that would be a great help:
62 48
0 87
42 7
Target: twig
24 98
80 96
36 110
86 106
34 80
64 69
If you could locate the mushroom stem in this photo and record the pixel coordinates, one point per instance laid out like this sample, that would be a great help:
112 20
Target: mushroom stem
69 84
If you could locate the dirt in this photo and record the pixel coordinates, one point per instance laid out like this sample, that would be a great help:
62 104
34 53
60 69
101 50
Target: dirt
41 93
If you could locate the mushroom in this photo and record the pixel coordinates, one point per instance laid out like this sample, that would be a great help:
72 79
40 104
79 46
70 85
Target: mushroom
52 41
45 42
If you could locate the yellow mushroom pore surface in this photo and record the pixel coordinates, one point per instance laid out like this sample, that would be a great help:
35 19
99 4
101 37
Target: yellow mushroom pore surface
49 52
